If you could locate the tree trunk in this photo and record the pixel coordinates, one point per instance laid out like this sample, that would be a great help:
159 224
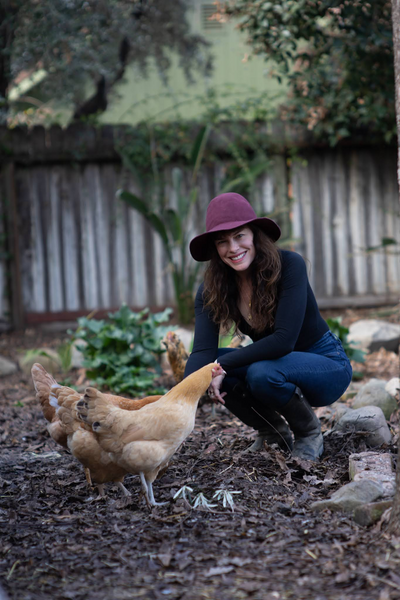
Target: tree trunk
394 523
8 12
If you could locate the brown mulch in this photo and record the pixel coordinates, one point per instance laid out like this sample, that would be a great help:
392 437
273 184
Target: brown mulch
58 541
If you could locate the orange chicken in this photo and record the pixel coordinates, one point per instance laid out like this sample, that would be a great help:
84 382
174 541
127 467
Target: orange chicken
177 354
67 429
142 442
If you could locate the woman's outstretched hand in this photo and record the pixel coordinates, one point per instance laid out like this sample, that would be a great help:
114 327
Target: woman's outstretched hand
214 390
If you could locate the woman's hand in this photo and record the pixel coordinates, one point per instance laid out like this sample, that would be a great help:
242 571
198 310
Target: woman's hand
214 390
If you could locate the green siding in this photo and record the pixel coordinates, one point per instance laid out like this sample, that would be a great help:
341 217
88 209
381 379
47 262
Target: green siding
233 78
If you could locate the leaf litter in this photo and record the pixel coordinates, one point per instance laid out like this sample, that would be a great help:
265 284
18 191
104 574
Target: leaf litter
57 541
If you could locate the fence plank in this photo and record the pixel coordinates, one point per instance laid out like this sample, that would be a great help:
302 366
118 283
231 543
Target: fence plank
82 249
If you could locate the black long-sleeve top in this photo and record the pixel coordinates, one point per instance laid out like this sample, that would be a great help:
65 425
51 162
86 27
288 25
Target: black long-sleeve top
298 323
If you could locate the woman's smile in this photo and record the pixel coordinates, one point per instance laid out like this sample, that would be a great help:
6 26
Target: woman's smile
236 248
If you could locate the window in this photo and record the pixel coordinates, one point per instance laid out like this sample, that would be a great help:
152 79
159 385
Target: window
208 24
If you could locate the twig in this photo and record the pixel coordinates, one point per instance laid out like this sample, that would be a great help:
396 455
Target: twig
394 585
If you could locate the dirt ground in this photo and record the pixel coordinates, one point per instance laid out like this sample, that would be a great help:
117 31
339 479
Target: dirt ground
59 542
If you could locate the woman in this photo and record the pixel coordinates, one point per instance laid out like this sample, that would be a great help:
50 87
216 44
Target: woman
295 362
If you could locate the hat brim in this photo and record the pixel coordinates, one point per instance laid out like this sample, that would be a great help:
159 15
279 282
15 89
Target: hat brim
201 246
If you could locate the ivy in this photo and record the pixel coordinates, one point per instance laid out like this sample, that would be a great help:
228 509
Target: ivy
240 134
337 57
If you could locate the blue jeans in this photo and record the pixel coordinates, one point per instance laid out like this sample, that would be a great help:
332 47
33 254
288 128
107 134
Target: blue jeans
322 372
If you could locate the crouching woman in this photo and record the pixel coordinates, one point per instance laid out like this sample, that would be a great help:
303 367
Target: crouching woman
295 362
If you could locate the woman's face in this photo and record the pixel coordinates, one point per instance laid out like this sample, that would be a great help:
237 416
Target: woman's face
236 248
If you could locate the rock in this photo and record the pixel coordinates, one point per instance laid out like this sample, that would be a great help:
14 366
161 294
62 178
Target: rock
58 326
368 514
382 361
393 386
369 419
374 393
186 336
47 357
333 412
374 466
339 409
372 334
351 495
7 367
76 355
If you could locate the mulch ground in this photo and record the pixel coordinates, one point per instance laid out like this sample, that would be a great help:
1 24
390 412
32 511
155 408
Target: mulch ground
59 541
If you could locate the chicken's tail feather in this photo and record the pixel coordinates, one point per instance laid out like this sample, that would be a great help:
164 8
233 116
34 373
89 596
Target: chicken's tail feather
44 382
94 409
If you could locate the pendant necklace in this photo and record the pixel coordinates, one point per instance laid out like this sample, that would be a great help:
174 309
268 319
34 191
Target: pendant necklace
249 316
246 298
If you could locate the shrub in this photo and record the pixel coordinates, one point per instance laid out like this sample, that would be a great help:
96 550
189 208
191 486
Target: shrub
122 353
341 332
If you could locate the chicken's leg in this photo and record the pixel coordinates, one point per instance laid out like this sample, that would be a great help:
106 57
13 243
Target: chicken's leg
146 491
88 477
123 488
147 488
100 489
151 495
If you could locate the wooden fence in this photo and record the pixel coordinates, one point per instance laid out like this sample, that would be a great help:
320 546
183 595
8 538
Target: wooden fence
74 247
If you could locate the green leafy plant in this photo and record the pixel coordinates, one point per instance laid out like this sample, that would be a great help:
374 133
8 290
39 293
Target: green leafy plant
64 352
121 353
336 57
353 353
171 223
61 361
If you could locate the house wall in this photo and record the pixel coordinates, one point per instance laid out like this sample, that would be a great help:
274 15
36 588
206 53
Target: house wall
234 78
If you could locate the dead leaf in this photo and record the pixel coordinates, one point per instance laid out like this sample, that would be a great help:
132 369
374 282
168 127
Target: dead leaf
165 559
218 571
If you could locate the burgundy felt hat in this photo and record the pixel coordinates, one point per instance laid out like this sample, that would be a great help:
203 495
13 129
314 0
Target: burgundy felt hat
225 212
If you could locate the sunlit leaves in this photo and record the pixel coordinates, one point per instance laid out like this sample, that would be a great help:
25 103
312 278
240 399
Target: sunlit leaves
338 57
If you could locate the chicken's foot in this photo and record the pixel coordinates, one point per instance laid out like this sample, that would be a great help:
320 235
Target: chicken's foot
147 489
151 495
101 493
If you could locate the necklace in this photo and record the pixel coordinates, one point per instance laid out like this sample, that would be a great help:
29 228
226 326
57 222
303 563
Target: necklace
249 317
246 299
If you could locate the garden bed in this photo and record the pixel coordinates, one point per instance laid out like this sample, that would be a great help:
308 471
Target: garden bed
59 541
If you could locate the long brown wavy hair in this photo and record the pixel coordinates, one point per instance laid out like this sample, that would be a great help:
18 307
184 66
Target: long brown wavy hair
221 291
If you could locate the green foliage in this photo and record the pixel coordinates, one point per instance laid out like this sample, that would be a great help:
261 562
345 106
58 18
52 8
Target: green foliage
76 42
171 223
385 243
121 354
338 58
351 350
64 352
148 148
62 361
239 135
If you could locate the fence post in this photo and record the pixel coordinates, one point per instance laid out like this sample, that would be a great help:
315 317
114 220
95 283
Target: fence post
12 233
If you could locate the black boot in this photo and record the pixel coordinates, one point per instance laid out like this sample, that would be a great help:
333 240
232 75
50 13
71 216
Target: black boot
267 422
308 442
